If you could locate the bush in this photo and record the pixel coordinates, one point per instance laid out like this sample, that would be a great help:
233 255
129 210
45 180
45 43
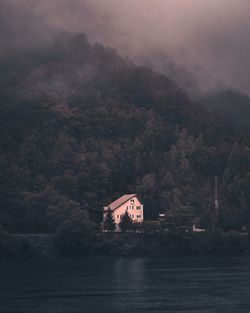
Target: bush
75 236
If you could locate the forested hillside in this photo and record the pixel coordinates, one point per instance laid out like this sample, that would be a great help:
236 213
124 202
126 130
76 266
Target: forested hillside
232 106
80 126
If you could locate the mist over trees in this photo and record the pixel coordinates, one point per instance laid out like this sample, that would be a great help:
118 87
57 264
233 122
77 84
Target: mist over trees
202 45
79 125
232 106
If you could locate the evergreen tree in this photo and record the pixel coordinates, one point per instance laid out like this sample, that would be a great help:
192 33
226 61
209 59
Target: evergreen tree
126 222
109 222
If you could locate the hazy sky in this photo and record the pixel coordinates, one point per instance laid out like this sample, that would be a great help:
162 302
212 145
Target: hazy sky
210 39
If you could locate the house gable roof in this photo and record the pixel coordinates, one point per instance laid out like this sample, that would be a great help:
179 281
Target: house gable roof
118 202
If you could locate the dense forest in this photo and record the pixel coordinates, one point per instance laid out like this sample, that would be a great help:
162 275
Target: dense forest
79 126
232 106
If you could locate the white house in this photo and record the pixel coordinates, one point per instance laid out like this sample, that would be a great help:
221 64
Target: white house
130 203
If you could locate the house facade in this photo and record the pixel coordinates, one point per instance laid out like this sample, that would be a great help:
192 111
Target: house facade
130 203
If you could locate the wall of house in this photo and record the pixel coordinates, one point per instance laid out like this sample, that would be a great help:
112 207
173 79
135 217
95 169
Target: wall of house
135 210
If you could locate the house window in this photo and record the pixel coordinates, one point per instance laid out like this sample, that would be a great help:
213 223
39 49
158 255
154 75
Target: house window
138 208
138 216
132 201
117 216
132 216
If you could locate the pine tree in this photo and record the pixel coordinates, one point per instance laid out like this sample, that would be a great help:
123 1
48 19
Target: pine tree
109 222
126 222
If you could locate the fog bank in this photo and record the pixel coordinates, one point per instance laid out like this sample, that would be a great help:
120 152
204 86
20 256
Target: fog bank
203 44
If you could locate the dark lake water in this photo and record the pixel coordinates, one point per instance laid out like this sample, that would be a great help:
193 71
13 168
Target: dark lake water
204 285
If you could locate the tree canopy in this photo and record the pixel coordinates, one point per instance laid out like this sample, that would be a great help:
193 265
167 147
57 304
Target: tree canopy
109 222
126 222
80 125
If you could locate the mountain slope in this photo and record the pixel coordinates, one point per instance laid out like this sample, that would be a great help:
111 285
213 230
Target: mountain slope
80 126
232 106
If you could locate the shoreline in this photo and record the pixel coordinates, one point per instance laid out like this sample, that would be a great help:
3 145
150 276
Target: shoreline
171 244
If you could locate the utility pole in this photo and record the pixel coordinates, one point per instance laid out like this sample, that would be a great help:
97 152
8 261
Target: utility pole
215 211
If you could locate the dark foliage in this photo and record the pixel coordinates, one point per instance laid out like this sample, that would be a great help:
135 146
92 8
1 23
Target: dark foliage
109 222
232 107
79 125
126 222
